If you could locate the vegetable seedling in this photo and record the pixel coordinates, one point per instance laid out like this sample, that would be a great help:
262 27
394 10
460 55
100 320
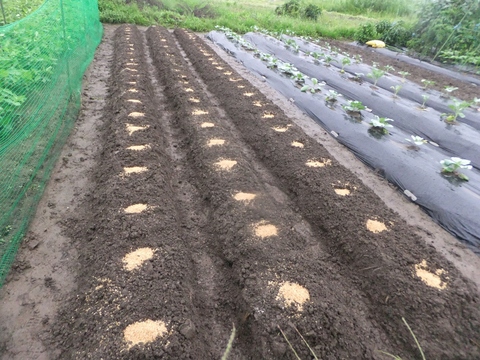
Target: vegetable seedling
299 77
380 124
272 63
457 107
358 59
316 57
396 90
345 61
328 60
354 107
332 96
287 68
417 141
315 87
452 165
404 74
427 83
376 74
448 90
425 98
358 77
388 68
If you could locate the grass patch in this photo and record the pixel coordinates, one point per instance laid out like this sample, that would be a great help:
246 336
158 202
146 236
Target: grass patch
14 10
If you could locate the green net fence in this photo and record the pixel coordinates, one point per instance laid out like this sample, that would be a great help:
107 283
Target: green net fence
42 61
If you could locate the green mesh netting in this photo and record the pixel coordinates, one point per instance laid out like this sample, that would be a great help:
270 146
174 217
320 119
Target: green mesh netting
42 60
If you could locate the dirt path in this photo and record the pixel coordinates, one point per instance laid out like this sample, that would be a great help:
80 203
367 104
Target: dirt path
196 203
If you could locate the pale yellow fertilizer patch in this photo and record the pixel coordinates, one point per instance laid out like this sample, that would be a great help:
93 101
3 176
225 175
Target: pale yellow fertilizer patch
315 163
234 80
130 69
268 115
225 164
298 144
280 129
207 125
133 90
134 170
144 332
375 226
228 73
199 112
135 259
165 46
430 278
263 229
132 64
194 100
342 192
293 294
245 197
132 128
188 90
241 86
134 101
248 94
132 82
215 142
138 147
257 103
214 63
163 40
136 209
219 68
136 115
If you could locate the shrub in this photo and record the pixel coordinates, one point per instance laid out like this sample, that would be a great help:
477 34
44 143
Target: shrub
290 8
366 32
392 33
312 12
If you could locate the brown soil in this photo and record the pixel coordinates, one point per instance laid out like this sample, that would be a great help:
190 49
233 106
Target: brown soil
200 215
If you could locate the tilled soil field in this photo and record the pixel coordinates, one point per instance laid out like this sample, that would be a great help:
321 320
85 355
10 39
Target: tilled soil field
212 209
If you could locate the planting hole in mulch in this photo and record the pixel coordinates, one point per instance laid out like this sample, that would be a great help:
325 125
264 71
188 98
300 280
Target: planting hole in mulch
144 332
298 144
342 192
430 278
225 164
136 258
293 295
134 170
245 197
264 229
134 101
315 163
138 147
375 226
132 128
199 112
207 125
215 142
136 209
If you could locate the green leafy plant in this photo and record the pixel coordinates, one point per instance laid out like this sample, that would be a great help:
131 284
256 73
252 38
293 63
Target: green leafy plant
312 12
417 141
354 106
427 83
457 107
358 77
287 68
328 60
376 74
396 90
315 87
448 90
316 57
380 124
388 68
332 96
358 59
404 74
425 97
452 165
345 61
299 77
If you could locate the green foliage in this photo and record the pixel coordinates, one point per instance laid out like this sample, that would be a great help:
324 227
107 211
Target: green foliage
18 9
451 28
392 33
295 8
366 7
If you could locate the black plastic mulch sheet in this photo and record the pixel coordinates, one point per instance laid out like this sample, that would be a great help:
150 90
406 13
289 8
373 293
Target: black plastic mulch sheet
410 90
453 204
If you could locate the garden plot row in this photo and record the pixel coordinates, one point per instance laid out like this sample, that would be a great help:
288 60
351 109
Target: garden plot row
376 249
135 278
414 169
